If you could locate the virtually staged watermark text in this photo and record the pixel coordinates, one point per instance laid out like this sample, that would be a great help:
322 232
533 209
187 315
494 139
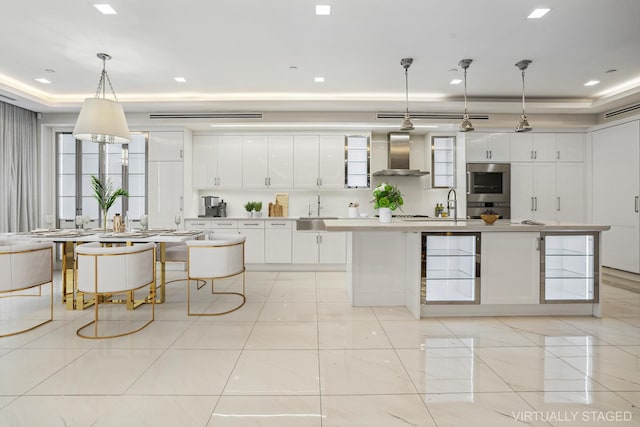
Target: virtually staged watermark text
572 416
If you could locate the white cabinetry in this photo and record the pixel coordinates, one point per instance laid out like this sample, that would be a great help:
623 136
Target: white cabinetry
616 187
548 191
319 248
165 178
217 161
570 147
318 161
510 268
547 147
277 241
267 161
254 244
487 147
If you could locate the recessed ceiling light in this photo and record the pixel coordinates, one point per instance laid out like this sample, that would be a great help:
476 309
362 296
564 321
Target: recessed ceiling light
105 9
538 13
319 79
180 79
323 9
455 82
43 80
592 82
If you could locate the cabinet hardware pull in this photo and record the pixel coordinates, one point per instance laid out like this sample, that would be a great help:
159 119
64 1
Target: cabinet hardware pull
317 239
224 223
558 207
265 181
532 204
181 154
558 155
320 238
468 182
491 154
250 223
486 154
278 223
636 203
535 199
320 181
531 155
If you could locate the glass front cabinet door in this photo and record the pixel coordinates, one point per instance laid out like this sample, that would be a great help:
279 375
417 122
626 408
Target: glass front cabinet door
450 268
569 267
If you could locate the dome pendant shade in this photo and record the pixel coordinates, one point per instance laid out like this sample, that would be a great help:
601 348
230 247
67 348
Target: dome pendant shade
406 123
466 125
523 125
102 120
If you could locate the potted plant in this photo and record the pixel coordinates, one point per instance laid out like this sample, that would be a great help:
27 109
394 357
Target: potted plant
106 196
387 198
249 206
257 209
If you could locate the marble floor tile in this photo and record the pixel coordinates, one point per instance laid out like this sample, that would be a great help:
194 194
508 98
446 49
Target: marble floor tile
479 410
275 372
288 312
187 372
352 334
211 335
424 333
344 311
607 330
286 292
249 312
363 372
267 411
449 374
595 408
393 313
23 369
332 295
5 400
283 335
296 275
533 369
160 334
612 367
395 410
98 371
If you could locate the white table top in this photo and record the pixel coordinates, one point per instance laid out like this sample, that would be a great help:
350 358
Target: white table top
74 235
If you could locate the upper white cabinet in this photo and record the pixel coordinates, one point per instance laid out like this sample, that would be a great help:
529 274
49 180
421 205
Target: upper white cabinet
616 188
166 146
547 147
487 147
318 161
267 161
217 161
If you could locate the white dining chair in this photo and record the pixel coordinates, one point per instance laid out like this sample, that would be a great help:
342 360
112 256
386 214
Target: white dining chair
104 271
24 264
222 256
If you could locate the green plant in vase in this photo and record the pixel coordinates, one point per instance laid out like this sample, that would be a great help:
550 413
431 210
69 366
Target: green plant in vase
257 208
106 196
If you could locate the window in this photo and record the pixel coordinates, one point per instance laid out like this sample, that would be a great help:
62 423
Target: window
124 165
443 166
357 162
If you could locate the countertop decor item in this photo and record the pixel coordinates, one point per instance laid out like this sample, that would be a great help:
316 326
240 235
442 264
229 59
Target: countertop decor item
106 196
386 198
489 219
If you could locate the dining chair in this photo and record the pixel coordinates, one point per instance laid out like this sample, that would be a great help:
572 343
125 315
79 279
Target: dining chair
222 256
24 265
105 271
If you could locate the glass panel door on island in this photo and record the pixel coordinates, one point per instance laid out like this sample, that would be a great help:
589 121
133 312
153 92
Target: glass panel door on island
450 268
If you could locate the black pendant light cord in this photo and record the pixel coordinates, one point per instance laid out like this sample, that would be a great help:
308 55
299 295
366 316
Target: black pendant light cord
406 88
465 91
523 92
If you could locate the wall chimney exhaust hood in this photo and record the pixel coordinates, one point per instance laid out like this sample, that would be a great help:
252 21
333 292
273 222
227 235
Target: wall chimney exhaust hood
398 155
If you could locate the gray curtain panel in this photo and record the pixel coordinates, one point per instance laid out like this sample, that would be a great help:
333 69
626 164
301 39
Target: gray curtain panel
19 170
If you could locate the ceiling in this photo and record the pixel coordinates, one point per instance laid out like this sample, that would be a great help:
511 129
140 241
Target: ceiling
237 55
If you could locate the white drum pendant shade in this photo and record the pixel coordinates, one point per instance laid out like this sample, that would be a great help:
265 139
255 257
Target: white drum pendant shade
102 120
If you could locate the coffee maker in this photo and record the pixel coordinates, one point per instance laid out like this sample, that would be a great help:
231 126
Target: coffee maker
212 207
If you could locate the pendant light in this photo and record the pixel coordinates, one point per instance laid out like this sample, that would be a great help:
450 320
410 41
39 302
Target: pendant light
466 125
406 123
102 120
523 124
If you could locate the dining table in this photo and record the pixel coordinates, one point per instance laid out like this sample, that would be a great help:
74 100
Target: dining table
70 238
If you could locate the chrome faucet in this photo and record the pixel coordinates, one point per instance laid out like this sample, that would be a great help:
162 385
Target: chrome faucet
452 204
319 206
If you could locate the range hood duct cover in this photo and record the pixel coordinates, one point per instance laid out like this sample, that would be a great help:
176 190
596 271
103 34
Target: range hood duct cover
398 155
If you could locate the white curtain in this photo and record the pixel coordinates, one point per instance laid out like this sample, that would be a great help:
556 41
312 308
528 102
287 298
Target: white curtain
19 161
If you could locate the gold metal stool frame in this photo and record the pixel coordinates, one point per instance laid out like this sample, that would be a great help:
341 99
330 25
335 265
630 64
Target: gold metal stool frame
213 278
107 294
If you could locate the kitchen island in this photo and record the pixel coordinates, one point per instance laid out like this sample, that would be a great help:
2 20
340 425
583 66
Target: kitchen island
468 268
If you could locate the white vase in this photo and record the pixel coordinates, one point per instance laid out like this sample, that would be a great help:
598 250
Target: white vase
384 215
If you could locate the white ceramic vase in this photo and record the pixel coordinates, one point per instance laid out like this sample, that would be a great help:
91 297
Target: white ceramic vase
384 215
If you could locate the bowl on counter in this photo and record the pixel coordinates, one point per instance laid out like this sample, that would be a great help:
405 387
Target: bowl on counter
489 219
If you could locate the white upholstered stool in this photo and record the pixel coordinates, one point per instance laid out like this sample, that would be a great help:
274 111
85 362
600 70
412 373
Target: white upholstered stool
25 264
106 271
220 257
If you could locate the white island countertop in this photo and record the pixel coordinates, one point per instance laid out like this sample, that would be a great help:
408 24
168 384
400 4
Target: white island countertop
439 225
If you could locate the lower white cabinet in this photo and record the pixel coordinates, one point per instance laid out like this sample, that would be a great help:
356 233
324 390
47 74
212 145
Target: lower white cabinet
277 241
254 244
319 248
510 268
